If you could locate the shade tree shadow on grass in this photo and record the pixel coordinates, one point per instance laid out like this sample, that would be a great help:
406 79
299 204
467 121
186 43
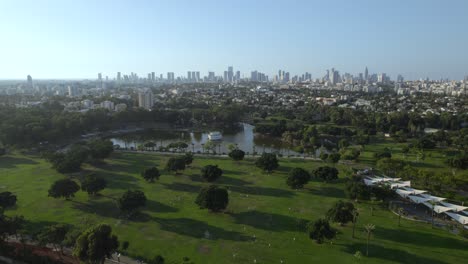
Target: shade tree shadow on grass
411 237
8 162
269 221
182 187
396 255
328 191
266 191
157 207
197 229
222 180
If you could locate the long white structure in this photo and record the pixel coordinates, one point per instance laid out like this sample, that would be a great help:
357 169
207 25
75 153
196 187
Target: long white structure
415 191
418 199
403 193
455 208
433 198
437 208
459 218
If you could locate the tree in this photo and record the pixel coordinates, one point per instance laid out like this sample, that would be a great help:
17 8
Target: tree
334 157
2 151
355 217
100 148
157 260
188 158
175 164
95 244
390 166
65 188
10 225
341 212
320 230
297 178
267 162
213 198
237 154
149 145
211 173
150 174
131 201
356 189
7 199
323 156
55 235
92 184
369 228
400 212
325 173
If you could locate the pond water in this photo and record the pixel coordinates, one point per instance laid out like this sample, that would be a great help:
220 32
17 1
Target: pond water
245 139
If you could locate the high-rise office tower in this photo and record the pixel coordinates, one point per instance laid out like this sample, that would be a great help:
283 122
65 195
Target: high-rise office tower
197 76
225 77
366 74
30 82
194 77
211 76
237 75
189 75
381 78
145 99
254 76
153 76
99 76
230 73
119 76
149 77
170 77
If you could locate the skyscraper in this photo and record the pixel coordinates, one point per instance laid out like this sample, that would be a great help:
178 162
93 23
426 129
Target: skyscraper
230 73
153 76
99 76
119 76
189 75
366 74
170 77
225 79
237 75
145 99
30 82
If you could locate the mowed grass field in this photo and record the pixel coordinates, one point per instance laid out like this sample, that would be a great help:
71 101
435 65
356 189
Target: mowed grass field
264 221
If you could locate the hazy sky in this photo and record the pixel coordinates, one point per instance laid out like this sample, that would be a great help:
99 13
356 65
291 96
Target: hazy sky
78 38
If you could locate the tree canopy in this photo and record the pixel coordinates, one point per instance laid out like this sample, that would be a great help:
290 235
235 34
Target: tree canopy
213 198
92 184
211 173
320 230
7 199
341 212
237 154
131 201
95 244
151 174
176 164
326 173
65 188
267 162
297 178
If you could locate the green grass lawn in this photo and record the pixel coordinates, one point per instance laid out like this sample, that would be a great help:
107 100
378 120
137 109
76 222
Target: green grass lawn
264 220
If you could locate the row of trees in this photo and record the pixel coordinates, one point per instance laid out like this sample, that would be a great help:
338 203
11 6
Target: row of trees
70 161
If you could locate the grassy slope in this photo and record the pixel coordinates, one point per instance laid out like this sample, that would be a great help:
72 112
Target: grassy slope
261 205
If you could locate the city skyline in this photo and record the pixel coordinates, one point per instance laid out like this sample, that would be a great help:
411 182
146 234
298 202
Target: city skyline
74 40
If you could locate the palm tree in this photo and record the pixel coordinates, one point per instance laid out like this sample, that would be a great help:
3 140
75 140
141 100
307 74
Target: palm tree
373 199
433 212
400 212
369 230
355 217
